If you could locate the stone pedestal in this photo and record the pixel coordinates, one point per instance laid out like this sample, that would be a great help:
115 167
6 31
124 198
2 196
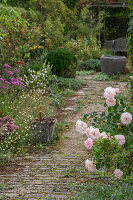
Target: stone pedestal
44 130
112 65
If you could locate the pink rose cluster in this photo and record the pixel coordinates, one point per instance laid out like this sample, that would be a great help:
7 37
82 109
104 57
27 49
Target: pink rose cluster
90 132
94 133
109 94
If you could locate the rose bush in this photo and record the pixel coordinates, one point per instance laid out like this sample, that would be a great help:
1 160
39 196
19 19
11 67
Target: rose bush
111 140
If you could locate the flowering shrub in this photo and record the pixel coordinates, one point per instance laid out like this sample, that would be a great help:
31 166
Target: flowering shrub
11 78
7 126
19 40
112 148
38 79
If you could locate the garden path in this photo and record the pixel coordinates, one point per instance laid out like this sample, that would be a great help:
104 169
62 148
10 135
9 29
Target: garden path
50 173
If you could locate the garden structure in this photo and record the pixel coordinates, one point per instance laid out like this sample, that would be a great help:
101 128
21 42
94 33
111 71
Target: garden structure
115 24
112 65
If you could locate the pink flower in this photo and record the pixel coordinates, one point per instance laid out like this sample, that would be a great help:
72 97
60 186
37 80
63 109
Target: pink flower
88 143
111 101
120 138
10 72
90 166
93 133
104 135
6 66
109 92
2 87
126 118
117 90
8 82
118 173
81 127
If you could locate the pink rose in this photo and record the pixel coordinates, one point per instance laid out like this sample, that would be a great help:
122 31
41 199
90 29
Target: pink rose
117 90
111 101
88 143
120 138
104 135
126 118
109 92
118 173
93 133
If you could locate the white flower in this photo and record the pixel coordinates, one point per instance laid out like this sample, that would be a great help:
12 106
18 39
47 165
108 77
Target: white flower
118 173
93 133
120 138
90 166
109 92
104 135
126 118
111 101
81 127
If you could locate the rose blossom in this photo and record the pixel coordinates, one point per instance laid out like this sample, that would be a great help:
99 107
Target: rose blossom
120 138
90 166
118 173
104 135
109 92
93 133
81 127
88 143
126 118
111 101
117 90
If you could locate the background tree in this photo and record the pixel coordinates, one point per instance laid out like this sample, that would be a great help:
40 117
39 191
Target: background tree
130 32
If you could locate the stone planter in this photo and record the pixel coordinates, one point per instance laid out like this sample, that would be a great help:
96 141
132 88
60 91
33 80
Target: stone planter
44 130
113 64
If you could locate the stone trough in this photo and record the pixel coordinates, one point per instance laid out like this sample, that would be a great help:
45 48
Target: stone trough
112 65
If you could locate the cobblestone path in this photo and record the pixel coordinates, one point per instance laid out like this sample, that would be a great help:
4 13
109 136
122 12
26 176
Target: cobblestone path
50 174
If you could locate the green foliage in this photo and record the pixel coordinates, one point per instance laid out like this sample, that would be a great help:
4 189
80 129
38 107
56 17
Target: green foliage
130 79
59 20
68 83
19 40
100 77
130 32
18 3
70 3
63 62
85 49
92 64
85 73
109 190
54 32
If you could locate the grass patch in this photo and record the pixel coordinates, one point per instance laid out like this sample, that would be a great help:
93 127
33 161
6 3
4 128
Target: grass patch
120 77
105 191
100 77
85 73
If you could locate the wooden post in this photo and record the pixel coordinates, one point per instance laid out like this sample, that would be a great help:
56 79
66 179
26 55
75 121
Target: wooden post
40 113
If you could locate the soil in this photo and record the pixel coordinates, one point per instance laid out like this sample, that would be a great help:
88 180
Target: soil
50 173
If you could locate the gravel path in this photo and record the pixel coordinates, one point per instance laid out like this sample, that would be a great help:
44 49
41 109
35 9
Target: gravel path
51 173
